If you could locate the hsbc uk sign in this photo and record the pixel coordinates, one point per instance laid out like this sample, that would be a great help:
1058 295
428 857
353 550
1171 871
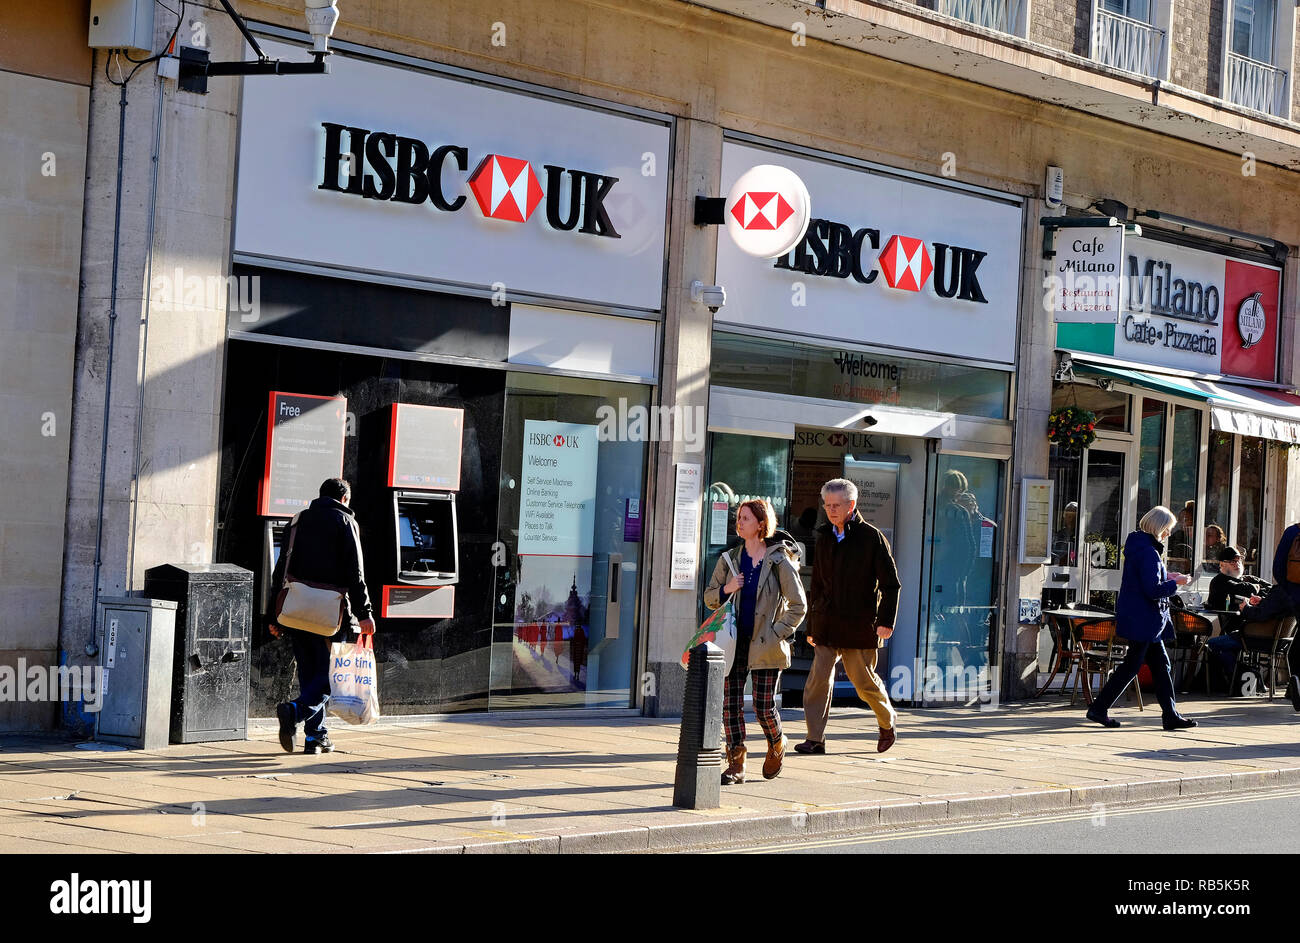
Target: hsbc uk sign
834 250
381 165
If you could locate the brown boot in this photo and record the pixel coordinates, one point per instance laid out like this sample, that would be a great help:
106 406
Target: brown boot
735 772
775 757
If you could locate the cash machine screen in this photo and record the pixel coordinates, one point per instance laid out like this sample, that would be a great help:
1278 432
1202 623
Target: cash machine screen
426 538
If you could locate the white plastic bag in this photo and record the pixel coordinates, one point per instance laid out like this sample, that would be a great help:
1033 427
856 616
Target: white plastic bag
354 693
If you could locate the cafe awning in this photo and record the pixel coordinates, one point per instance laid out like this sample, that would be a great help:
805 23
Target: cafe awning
1236 408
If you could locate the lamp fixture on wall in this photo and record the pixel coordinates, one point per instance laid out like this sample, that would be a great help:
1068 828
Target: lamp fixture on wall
321 15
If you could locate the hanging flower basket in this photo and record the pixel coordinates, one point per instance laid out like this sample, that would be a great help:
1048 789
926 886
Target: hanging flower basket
1072 428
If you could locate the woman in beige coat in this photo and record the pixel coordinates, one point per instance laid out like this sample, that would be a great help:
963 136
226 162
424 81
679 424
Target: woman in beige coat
763 575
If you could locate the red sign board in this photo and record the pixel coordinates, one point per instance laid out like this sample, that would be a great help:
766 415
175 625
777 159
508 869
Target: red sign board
1250 320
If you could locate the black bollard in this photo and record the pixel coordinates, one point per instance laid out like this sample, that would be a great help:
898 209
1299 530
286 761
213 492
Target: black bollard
698 783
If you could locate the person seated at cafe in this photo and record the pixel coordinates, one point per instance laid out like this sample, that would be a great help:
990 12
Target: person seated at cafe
1215 540
1233 581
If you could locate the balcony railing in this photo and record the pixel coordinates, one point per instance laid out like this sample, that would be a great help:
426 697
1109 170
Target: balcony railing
1256 84
1000 15
1125 43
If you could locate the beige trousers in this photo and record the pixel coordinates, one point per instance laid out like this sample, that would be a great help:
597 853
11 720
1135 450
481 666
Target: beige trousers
860 666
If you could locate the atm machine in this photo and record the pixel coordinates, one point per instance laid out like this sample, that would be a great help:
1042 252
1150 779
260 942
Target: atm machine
424 452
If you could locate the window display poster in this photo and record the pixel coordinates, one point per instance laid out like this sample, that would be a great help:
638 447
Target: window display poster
877 492
424 447
632 520
718 523
557 501
1036 520
304 446
552 633
686 526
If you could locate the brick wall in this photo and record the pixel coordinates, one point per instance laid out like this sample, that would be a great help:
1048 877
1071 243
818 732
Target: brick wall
1196 45
1061 24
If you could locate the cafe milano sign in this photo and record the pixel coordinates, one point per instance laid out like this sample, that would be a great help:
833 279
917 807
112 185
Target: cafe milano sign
903 264
1169 305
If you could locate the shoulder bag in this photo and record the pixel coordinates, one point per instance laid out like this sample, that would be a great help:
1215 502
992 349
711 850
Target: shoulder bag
309 607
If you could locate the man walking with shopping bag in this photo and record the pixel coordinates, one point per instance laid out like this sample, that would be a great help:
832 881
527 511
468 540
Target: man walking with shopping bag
321 550
854 599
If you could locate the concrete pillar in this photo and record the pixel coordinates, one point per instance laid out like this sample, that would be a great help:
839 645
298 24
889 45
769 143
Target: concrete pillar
674 613
173 256
1033 405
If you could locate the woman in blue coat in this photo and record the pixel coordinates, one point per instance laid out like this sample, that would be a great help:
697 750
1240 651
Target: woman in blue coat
1142 617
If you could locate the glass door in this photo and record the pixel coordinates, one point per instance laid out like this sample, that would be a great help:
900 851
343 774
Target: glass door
1103 525
965 546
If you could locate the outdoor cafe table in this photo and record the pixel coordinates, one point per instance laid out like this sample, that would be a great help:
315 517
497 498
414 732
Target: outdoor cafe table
1062 624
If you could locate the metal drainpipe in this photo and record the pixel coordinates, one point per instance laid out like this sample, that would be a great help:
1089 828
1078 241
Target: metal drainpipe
92 647
144 346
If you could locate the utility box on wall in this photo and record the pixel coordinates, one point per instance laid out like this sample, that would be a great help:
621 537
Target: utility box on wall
121 24
214 619
135 646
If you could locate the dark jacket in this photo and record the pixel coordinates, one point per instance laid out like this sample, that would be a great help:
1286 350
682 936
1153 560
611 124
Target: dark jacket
1279 563
854 586
1142 614
1223 587
327 549
1273 606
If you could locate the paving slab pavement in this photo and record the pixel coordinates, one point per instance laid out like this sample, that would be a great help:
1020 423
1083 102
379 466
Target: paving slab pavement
571 784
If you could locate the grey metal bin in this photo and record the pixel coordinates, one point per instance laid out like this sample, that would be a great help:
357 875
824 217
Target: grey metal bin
211 665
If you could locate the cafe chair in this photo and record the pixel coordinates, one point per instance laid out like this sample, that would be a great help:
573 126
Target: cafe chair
1098 652
1191 629
1263 644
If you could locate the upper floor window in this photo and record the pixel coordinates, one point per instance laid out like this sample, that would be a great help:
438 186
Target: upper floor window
1251 74
1125 38
1252 28
1001 15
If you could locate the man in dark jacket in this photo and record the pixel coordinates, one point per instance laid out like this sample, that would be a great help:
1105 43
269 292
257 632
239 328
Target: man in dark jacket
1292 591
854 599
326 550
1232 581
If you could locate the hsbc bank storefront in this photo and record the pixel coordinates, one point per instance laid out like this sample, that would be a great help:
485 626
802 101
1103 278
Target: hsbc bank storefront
880 348
443 282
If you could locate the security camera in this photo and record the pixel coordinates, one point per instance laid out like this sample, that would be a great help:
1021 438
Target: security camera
321 17
712 296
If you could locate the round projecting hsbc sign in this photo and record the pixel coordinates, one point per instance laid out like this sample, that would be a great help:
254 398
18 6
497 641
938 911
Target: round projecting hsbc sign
767 211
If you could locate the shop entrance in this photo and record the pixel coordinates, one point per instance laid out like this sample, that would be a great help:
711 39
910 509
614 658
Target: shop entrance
940 513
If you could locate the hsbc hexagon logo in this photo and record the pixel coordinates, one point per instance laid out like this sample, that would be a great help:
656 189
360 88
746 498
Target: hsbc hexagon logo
837 439
506 188
558 441
906 263
767 211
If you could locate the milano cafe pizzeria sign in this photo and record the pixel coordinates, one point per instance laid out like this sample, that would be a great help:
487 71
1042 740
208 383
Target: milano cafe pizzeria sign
1155 303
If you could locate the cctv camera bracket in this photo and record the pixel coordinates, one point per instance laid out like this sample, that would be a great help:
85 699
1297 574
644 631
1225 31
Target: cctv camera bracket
195 67
710 210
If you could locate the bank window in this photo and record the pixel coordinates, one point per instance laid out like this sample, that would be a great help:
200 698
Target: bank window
1151 463
856 376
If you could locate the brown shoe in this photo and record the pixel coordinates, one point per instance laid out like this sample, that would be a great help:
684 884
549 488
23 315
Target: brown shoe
775 757
887 738
810 746
735 771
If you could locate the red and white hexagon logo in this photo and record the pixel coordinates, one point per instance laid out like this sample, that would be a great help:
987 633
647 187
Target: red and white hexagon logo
906 263
765 210
837 438
558 441
506 188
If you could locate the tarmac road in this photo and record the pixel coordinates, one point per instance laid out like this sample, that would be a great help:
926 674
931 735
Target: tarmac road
1265 822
